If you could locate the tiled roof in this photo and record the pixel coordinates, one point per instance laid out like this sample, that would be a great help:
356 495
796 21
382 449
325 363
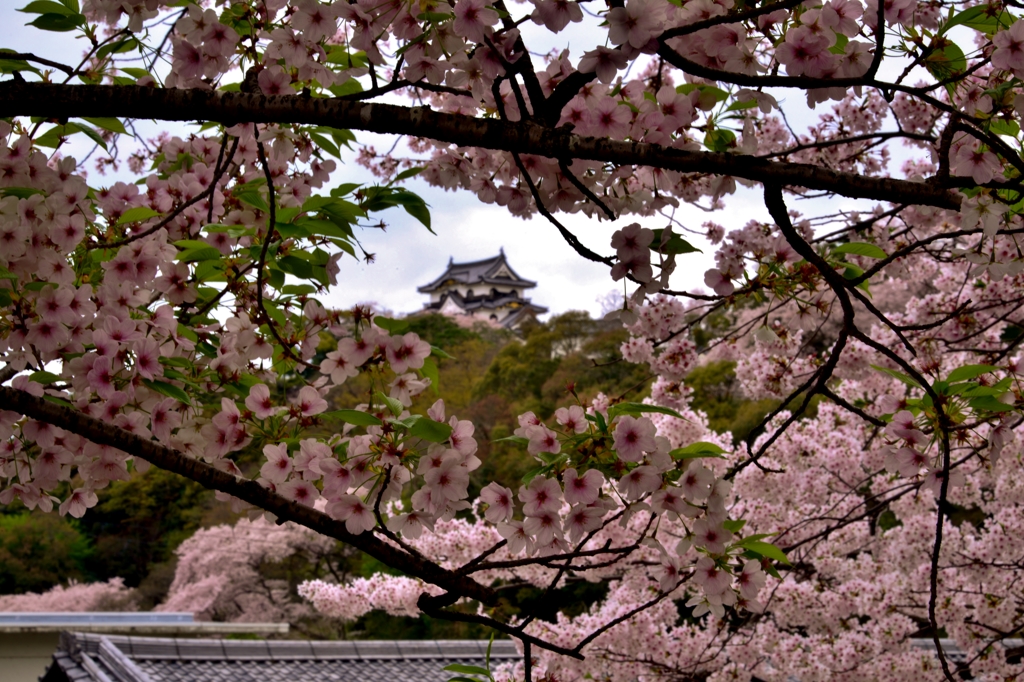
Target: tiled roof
110 658
129 622
477 272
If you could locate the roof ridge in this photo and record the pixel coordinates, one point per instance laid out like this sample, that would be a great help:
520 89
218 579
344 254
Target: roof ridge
167 648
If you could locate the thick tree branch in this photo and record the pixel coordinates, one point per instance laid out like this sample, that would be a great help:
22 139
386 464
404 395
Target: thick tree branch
104 433
55 101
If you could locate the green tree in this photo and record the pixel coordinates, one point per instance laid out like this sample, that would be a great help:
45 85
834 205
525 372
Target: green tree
39 551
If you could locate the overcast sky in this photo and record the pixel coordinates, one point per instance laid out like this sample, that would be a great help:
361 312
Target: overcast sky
407 255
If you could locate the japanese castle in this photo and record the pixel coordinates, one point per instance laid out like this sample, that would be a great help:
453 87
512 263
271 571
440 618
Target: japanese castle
485 290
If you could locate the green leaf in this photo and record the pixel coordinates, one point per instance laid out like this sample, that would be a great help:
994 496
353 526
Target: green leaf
636 409
861 249
705 90
47 7
275 277
390 325
138 214
740 106
58 401
676 244
946 60
134 72
897 375
169 390
698 450
734 526
20 192
325 144
189 244
1002 127
354 417
980 18
58 23
428 429
429 371
44 378
467 669
111 124
765 549
988 403
201 254
395 406
253 198
295 266
518 440
968 372
298 289
407 173
440 353
840 46
210 271
720 139
414 206
275 313
124 45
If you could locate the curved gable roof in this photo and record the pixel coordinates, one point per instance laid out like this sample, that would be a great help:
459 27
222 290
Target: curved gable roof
494 270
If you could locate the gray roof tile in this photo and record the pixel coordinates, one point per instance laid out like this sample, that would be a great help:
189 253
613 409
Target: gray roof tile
84 657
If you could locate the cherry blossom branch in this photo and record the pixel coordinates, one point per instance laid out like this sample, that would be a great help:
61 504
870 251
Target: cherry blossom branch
919 244
846 405
382 527
728 19
933 573
426 605
586 191
629 614
877 137
171 217
567 235
526 137
286 348
105 433
29 57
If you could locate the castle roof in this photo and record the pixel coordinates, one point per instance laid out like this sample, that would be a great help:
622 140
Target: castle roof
495 271
520 308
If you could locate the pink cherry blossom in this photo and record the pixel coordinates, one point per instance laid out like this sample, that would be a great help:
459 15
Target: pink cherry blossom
406 352
540 495
1009 52
309 401
582 490
633 437
542 439
278 465
259 402
357 515
638 482
499 502
473 19
573 418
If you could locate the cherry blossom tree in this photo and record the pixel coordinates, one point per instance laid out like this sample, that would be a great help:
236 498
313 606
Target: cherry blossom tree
175 321
108 596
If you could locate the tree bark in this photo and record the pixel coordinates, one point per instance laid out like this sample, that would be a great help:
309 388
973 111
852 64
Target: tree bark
60 102
153 452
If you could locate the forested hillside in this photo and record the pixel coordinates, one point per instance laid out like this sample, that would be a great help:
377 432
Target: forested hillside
490 376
